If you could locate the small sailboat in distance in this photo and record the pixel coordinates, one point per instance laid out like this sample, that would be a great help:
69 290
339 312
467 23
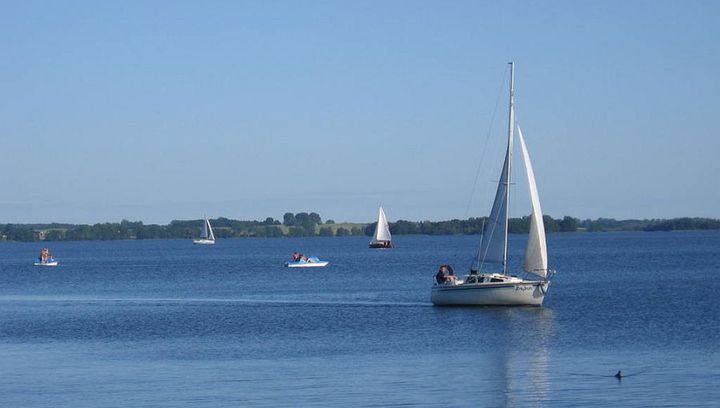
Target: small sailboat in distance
381 238
206 236
500 288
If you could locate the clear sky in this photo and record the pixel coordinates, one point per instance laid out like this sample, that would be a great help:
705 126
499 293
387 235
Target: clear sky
153 111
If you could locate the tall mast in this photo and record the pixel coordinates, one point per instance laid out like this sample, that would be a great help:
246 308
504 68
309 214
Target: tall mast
511 127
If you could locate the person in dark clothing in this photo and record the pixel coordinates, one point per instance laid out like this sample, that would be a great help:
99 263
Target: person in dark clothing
445 274
440 276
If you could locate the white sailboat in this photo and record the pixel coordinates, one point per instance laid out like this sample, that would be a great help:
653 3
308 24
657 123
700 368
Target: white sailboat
500 288
381 238
206 236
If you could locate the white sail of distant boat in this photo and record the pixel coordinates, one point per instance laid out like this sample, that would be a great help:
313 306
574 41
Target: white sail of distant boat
500 287
207 237
382 237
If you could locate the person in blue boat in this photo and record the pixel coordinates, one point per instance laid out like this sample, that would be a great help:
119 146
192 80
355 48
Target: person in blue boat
44 256
299 257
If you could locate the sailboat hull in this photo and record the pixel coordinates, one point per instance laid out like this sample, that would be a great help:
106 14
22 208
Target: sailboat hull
204 241
525 293
385 244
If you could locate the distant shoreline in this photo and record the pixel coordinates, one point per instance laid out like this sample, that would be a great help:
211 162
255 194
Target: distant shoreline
308 225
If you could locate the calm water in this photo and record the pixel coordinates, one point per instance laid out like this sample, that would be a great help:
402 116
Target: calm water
169 324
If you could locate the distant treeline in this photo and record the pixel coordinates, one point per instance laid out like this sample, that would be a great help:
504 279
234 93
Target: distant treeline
674 224
310 224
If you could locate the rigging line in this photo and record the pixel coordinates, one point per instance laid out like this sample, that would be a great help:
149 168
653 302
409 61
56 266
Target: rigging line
480 163
476 261
484 149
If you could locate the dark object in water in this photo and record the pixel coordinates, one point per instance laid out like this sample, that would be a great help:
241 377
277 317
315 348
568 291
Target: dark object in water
619 375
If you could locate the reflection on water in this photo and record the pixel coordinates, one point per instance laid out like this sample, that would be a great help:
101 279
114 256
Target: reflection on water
523 357
540 356
503 359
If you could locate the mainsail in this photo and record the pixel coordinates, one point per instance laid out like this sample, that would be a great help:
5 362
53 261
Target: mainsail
207 232
536 254
382 230
492 247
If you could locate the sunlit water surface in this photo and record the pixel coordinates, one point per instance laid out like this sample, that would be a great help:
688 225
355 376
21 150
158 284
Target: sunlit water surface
168 324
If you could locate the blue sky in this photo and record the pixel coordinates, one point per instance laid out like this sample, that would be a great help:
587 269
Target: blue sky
156 111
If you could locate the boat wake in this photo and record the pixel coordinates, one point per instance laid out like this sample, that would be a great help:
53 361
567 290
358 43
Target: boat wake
209 300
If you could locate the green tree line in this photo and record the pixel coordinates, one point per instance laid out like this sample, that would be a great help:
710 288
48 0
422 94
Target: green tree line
310 224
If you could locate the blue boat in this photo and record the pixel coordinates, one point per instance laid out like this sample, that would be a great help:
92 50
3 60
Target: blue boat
310 262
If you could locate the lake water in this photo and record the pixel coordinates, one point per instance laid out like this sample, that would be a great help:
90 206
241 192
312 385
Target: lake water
168 324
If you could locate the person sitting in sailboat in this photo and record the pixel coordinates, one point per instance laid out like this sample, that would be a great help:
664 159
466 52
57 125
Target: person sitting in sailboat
451 273
445 275
440 276
296 256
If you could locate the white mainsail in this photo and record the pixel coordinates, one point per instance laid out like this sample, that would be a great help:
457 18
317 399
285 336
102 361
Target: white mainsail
536 254
204 232
382 229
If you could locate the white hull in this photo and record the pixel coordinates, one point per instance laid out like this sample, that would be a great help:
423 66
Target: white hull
54 263
306 264
204 241
525 293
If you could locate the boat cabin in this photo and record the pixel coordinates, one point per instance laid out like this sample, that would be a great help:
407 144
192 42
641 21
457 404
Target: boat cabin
485 278
492 278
